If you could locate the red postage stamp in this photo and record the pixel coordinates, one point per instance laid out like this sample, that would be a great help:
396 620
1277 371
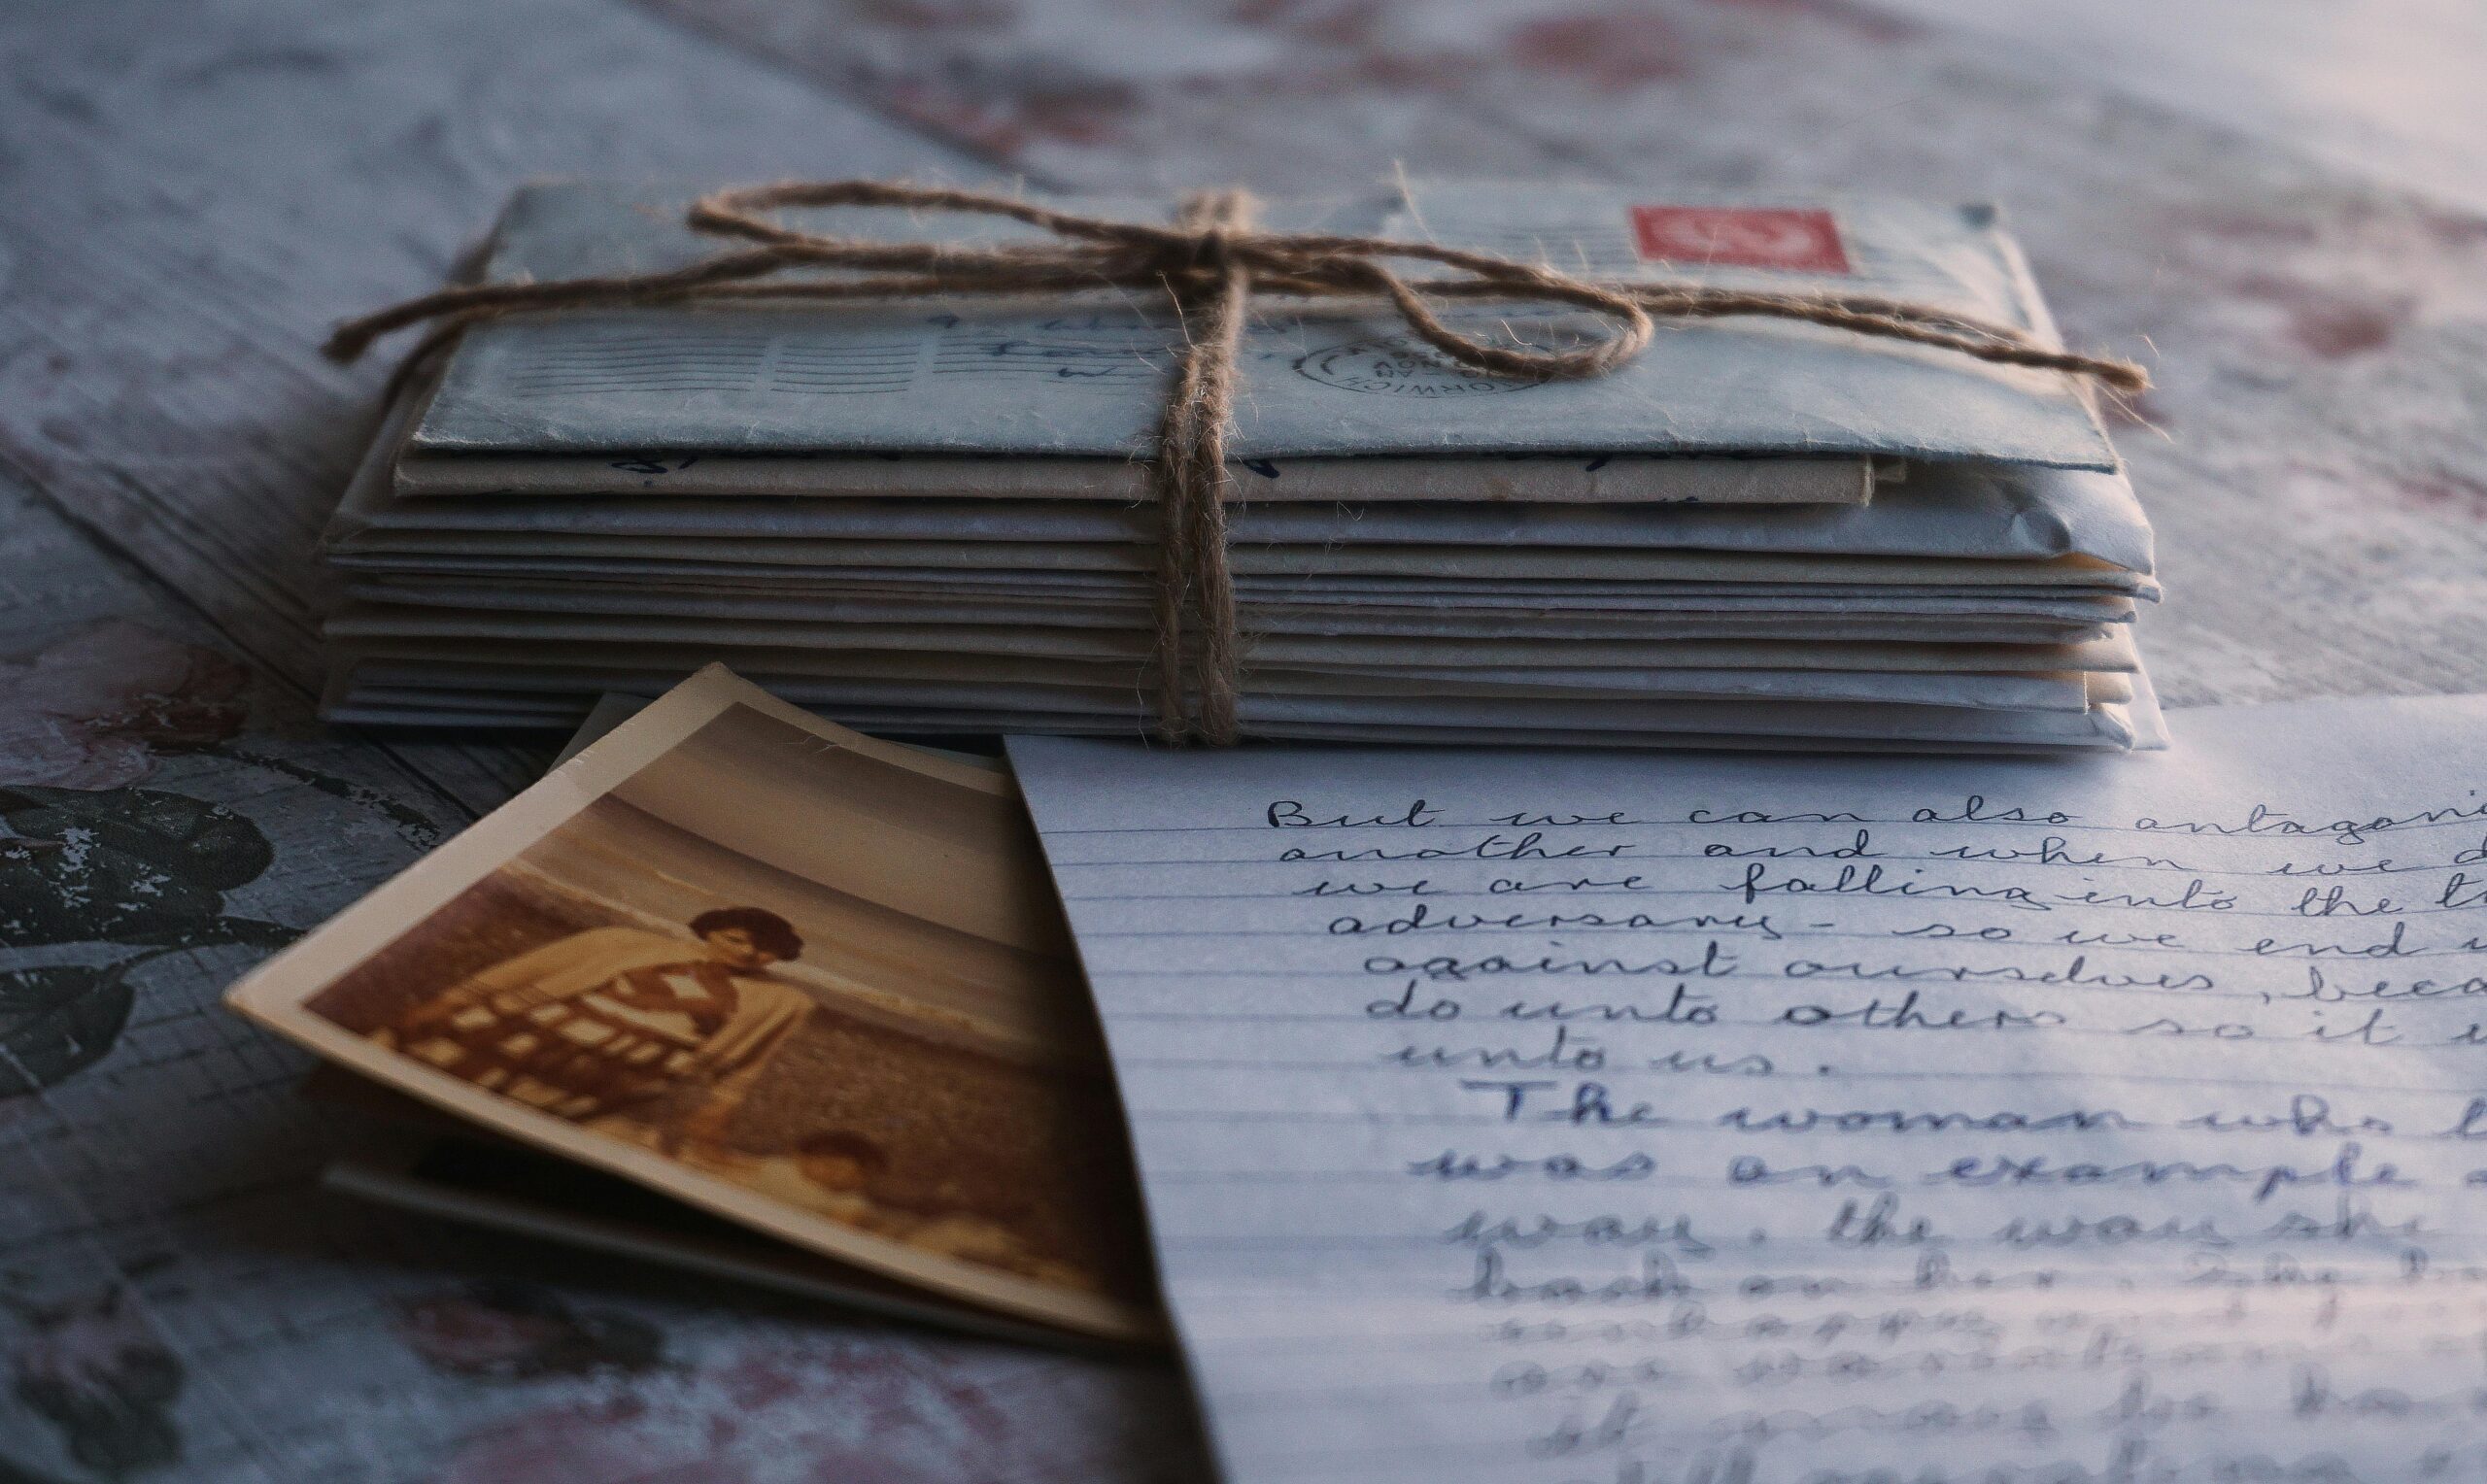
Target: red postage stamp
1797 239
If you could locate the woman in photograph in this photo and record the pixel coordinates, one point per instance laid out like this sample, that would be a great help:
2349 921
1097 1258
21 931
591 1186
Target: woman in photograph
600 1021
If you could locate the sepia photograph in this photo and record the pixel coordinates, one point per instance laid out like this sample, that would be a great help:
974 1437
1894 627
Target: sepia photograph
780 971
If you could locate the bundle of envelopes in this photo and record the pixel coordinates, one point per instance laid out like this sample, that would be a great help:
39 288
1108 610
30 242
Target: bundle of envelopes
934 516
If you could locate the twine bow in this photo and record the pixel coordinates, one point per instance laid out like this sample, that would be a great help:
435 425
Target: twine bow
1208 264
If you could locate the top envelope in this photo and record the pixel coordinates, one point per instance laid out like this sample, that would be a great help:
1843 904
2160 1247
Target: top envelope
1084 375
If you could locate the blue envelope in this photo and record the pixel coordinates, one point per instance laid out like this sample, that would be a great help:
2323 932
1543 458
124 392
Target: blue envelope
1084 375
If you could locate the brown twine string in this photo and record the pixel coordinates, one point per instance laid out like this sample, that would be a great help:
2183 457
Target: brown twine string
1207 263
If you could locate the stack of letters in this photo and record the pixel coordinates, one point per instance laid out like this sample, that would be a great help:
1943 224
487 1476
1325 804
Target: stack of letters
933 517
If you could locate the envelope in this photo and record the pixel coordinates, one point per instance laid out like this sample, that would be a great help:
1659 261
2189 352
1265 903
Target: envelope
1084 375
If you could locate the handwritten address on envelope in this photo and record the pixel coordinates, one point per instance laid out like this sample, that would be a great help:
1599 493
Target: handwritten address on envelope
1693 1121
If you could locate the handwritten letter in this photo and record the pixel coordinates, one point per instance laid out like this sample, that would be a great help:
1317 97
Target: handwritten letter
1656 1120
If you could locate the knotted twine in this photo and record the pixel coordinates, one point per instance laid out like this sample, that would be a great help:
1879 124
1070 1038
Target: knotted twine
1208 264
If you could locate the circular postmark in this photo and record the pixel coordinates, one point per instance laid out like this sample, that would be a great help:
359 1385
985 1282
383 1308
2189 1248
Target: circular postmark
1397 367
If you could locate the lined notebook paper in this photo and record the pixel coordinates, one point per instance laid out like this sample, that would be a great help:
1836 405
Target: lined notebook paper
1625 1120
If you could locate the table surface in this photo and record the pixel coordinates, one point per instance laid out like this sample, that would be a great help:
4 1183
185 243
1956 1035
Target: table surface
2280 204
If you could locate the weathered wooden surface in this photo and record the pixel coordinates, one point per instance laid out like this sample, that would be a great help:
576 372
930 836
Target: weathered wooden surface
2387 89
189 192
